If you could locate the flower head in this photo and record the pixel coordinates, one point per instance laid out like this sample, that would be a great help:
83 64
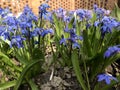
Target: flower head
26 18
63 40
45 32
84 14
43 9
106 77
99 11
4 12
111 51
17 41
48 16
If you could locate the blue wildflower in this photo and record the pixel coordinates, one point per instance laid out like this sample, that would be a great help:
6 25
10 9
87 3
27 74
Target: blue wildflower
84 14
6 35
17 41
80 37
45 32
1 10
4 32
88 25
112 51
76 45
11 23
27 33
37 31
43 9
96 23
5 12
48 17
99 11
2 29
108 24
63 40
67 19
26 18
60 12
106 77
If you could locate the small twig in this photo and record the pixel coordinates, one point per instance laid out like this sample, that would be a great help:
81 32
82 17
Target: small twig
51 76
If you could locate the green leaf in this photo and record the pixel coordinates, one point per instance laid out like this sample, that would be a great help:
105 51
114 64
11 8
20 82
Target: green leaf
37 54
32 85
70 25
86 43
96 65
116 12
7 85
77 70
24 72
9 62
58 25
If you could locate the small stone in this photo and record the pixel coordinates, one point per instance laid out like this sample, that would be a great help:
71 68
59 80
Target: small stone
45 88
65 83
56 81
68 75
66 69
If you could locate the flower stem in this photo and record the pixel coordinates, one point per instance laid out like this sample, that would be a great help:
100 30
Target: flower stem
40 27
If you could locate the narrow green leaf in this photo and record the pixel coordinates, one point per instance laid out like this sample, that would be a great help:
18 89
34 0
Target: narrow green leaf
32 85
77 70
7 85
23 74
70 25
86 43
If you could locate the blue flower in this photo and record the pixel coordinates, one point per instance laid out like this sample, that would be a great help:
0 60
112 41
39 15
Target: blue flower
96 23
48 17
106 77
99 11
5 12
43 9
26 18
84 14
10 20
2 29
45 32
37 31
76 45
1 10
4 32
63 40
67 19
27 33
60 12
107 24
88 25
111 51
11 23
17 41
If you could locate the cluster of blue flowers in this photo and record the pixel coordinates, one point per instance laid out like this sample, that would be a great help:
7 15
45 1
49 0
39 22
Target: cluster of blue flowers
72 39
19 29
23 27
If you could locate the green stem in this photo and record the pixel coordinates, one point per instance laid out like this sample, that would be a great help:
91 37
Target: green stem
29 44
40 27
44 48
86 75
